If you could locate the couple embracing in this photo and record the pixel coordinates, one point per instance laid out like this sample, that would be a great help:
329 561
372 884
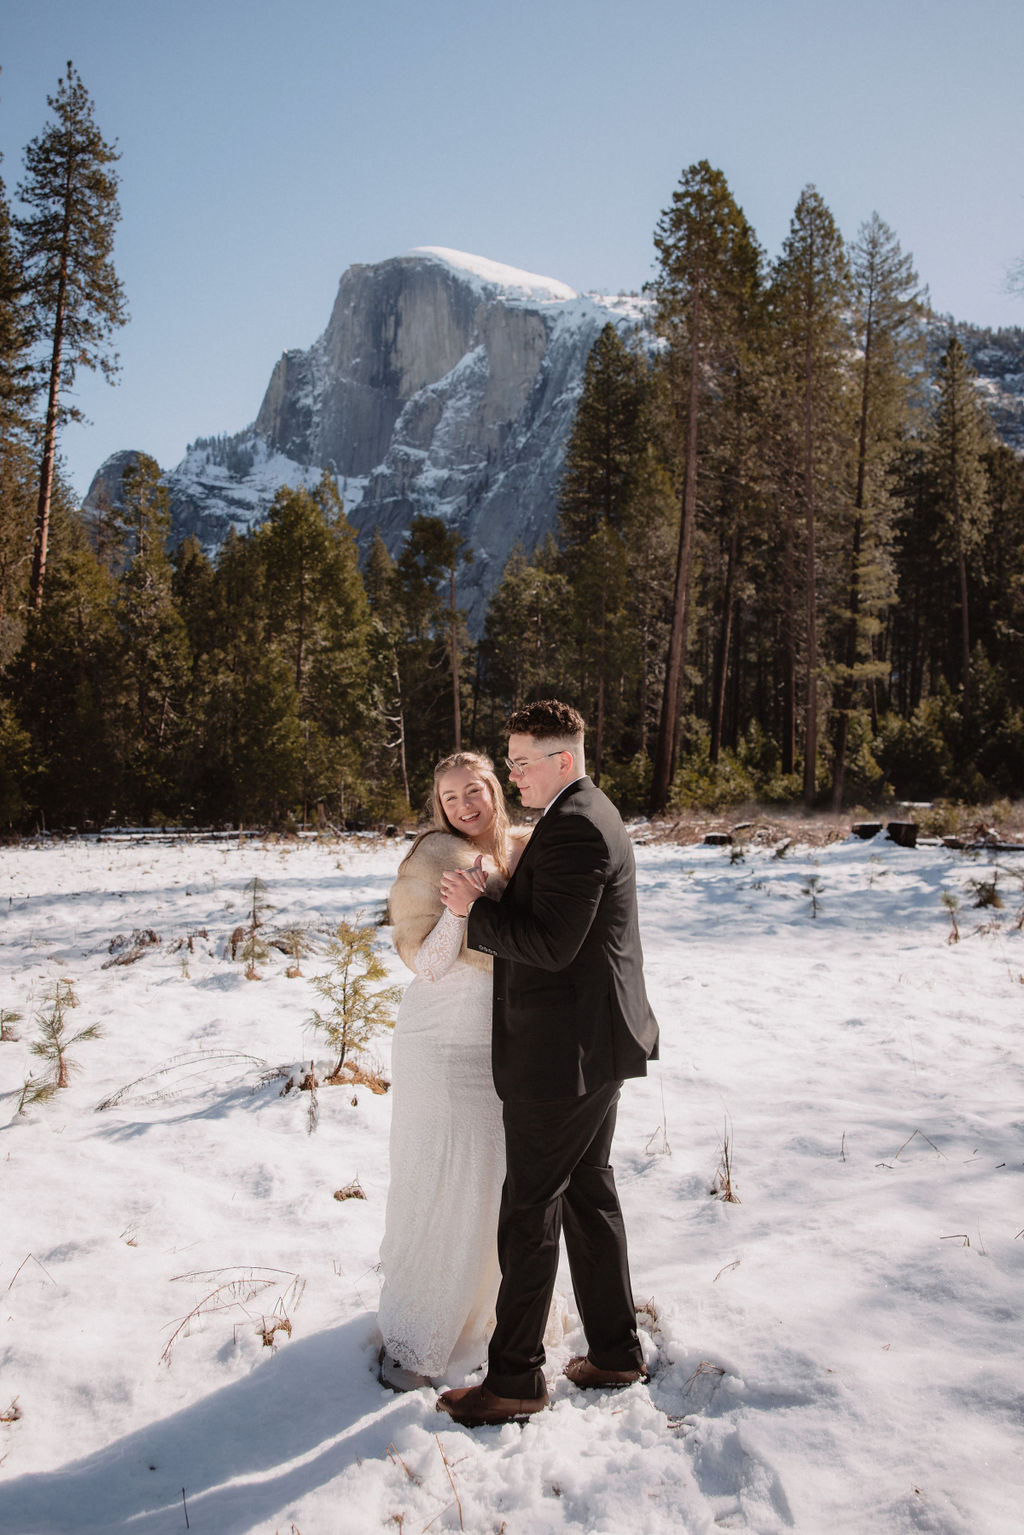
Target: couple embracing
527 1011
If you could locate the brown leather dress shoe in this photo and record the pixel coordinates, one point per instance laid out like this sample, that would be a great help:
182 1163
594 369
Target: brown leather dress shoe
583 1373
475 1406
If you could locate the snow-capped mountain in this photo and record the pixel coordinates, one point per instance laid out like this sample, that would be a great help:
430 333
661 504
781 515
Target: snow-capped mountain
444 384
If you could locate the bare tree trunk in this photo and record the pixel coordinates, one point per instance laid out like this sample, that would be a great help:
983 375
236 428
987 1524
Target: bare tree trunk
965 624
788 645
50 431
46 471
456 700
721 670
811 691
847 688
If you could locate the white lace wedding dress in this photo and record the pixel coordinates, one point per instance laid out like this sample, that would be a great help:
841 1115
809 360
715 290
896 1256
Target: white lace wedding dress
439 1257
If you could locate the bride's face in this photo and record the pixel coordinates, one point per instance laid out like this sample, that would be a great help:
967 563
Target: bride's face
466 801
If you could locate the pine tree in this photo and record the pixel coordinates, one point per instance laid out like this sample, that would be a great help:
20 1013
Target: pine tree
709 260
67 239
603 459
810 288
156 651
607 443
318 619
886 315
423 622
650 546
68 686
960 434
522 650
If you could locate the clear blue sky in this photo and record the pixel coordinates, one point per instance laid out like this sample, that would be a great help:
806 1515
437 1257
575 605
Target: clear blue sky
269 144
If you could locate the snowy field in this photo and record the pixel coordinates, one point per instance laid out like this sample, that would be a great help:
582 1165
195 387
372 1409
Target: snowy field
837 1353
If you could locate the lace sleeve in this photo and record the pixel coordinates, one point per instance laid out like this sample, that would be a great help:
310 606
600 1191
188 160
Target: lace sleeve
440 949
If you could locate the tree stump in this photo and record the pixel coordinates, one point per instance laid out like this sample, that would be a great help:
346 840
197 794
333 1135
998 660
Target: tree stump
717 839
866 829
903 833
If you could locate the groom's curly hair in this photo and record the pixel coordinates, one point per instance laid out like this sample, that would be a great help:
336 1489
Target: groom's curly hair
547 719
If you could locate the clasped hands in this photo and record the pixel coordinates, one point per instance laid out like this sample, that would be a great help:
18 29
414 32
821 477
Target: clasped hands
461 887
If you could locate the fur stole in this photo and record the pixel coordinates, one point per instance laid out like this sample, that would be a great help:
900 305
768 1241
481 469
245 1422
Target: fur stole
414 905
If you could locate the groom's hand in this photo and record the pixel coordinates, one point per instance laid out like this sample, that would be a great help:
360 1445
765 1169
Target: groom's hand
460 887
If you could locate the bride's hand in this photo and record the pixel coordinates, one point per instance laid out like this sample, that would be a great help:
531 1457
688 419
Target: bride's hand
476 874
460 887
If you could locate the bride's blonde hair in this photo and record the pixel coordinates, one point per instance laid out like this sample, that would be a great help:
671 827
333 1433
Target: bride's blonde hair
483 768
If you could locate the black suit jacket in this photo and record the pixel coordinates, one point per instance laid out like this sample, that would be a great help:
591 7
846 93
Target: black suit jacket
570 1005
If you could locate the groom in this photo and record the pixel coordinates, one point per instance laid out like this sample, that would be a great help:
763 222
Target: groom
571 1020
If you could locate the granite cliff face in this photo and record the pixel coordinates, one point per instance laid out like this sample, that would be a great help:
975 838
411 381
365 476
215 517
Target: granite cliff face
443 384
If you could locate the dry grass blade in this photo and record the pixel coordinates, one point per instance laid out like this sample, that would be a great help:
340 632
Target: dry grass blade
39 1265
392 1454
721 1184
451 1483
235 1292
197 1063
704 1368
924 1137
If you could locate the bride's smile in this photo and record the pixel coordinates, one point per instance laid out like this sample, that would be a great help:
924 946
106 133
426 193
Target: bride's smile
467 802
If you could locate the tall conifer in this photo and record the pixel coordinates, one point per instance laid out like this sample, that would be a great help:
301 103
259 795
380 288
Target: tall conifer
156 652
886 312
810 288
708 258
67 241
16 393
960 434
596 512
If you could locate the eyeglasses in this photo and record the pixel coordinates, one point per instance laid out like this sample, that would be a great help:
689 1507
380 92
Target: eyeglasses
520 767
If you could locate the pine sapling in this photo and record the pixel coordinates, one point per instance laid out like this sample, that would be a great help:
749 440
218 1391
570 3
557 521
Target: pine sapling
53 1045
986 891
813 889
951 901
354 1012
294 943
7 1018
253 950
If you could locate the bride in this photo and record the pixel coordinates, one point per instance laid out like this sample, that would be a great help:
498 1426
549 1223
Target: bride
439 1257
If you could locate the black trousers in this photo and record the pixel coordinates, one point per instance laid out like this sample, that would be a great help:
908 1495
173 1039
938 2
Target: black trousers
558 1178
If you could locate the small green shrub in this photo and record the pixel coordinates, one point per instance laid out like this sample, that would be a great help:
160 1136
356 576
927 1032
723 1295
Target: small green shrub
915 754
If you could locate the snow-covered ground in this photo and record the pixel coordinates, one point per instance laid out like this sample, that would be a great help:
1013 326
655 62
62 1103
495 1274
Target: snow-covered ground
839 1351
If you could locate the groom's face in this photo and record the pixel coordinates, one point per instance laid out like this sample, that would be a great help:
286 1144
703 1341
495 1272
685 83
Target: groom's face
539 772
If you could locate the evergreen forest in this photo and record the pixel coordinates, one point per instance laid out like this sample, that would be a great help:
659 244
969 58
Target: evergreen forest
789 564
